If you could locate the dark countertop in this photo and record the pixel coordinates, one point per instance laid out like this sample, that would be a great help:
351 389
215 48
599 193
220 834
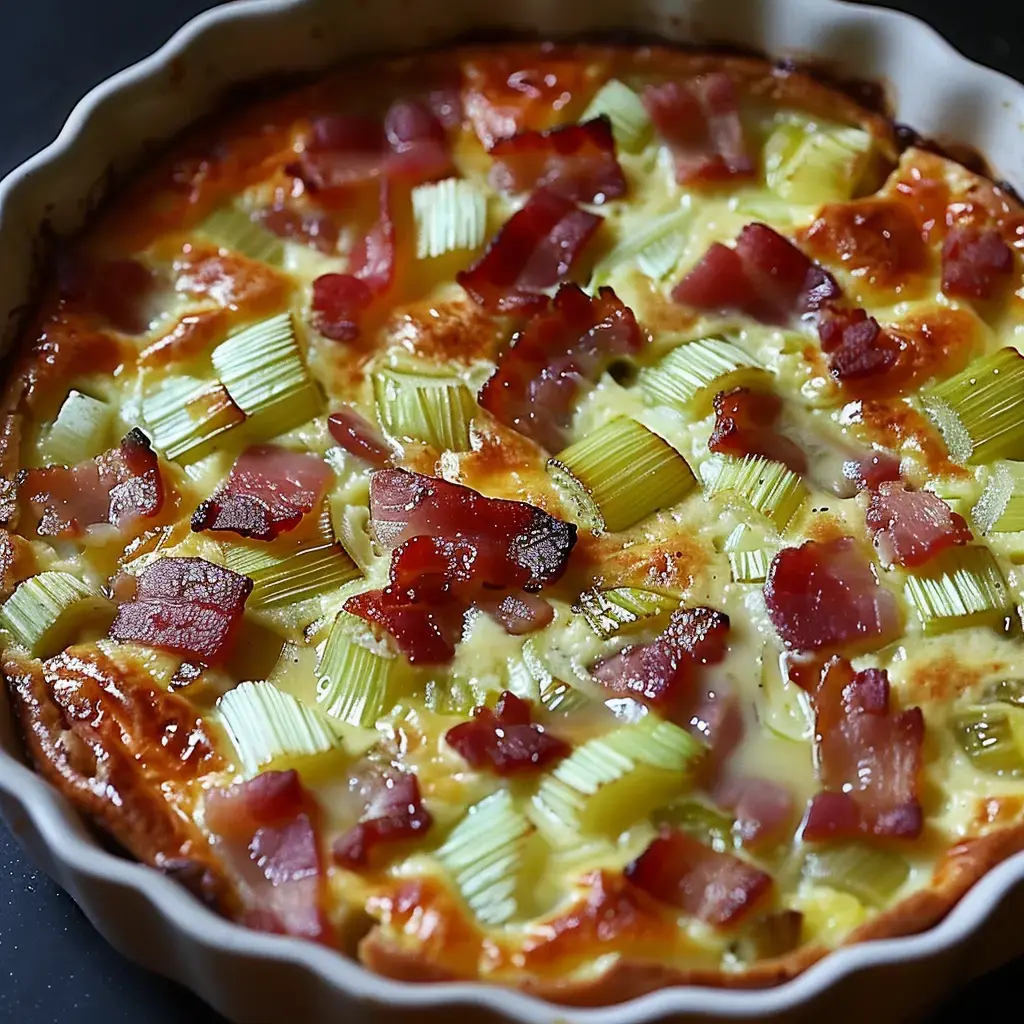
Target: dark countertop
53 966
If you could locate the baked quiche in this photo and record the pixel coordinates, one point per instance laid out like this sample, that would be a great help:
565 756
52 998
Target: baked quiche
546 514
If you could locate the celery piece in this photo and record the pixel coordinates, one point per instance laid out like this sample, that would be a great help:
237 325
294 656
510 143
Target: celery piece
454 696
690 376
782 705
624 109
620 474
279 579
231 228
656 248
185 416
980 411
81 430
1000 509
707 825
355 684
961 587
351 524
46 611
419 407
563 699
1005 691
870 874
823 166
450 215
266 724
750 566
609 612
772 935
769 488
992 737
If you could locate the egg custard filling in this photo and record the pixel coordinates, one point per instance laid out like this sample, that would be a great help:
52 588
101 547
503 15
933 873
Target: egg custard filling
548 514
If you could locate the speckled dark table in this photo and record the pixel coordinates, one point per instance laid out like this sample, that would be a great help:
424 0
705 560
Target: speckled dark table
53 966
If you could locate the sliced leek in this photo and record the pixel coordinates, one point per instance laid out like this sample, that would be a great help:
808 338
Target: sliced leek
563 699
1000 509
961 587
772 935
823 166
706 824
620 474
47 611
81 430
185 416
351 525
297 576
873 875
655 248
782 705
418 407
992 737
631 125
454 696
750 566
610 612
450 215
486 855
264 372
267 725
980 411
769 488
354 684
690 376
231 228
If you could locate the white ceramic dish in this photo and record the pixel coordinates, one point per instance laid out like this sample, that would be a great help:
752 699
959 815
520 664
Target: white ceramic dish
262 979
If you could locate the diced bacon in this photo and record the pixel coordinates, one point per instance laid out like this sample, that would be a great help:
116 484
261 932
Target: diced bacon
506 740
700 121
663 673
717 888
976 262
314 228
269 838
535 249
556 358
765 276
859 352
520 612
911 527
869 758
575 161
868 471
118 291
266 494
373 256
763 809
712 714
122 487
394 813
453 549
187 606
358 437
419 146
745 425
824 595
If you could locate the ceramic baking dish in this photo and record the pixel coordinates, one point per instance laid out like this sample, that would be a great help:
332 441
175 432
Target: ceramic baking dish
252 977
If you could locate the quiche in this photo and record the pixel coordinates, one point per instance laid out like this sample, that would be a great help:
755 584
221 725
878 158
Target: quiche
546 514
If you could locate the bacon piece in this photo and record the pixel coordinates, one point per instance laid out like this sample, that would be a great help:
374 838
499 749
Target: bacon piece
859 352
555 359
358 437
533 250
662 673
869 758
310 227
825 595
121 487
700 121
505 740
868 471
911 527
766 276
713 714
266 494
520 613
419 146
394 813
717 888
745 425
453 548
187 606
976 262
574 161
763 809
269 831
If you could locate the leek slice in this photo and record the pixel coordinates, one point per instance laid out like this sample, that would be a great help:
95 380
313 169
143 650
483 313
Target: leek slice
563 699
812 168
750 566
959 588
417 407
267 725
231 228
992 737
874 876
486 855
351 524
455 696
298 576
655 249
621 474
980 411
690 376
264 372
631 125
707 825
782 705
355 684
1000 509
615 779
46 612
610 612
451 216
772 935
81 430
185 416
769 488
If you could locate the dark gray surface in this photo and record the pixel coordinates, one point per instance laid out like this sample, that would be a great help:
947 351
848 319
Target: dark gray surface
53 966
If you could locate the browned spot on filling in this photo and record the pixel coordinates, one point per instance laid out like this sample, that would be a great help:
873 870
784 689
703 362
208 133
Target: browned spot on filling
449 332
191 336
896 425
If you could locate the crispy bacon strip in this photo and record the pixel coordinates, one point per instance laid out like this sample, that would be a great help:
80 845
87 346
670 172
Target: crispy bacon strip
911 527
745 422
859 352
358 437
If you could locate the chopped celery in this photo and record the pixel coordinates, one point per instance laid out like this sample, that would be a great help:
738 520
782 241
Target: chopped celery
980 411
772 935
959 588
706 824
354 683
609 612
266 724
769 488
623 107
1000 509
81 430
451 216
296 576
264 372
351 525
418 407
811 168
486 855
454 696
992 736
185 416
561 698
750 566
46 612
621 473
871 874
231 228
1006 691
690 376
783 706
656 248
615 779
